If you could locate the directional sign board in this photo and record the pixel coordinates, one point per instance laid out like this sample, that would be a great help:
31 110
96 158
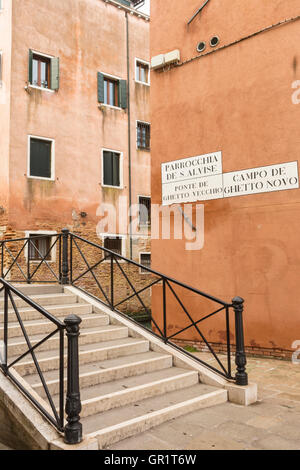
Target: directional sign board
201 179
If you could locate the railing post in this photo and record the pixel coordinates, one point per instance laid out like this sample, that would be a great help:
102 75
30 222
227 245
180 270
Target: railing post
112 280
5 336
241 376
73 430
28 260
2 260
165 310
65 257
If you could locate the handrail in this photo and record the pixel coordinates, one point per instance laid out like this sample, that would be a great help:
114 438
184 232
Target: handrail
14 261
156 273
69 241
73 429
241 377
33 304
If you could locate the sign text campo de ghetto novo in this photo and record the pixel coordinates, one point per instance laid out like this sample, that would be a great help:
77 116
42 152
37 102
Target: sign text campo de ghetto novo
201 179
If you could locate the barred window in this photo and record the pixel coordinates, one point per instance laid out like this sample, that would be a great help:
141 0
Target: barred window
145 260
143 135
39 247
113 243
145 210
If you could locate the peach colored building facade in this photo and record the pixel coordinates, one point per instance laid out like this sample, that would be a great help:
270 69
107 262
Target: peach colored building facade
84 40
241 97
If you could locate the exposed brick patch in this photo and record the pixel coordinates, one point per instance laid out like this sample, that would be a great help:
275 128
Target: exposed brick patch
283 354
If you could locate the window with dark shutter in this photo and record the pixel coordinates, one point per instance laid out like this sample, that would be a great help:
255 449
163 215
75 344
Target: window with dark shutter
145 210
112 91
111 168
143 136
40 158
39 247
114 244
145 260
43 71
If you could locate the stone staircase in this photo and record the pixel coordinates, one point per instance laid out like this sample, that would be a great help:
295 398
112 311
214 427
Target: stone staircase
128 383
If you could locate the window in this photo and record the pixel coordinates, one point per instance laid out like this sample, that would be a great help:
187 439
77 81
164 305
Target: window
142 72
145 210
145 260
143 135
39 247
41 158
113 243
43 71
112 91
111 168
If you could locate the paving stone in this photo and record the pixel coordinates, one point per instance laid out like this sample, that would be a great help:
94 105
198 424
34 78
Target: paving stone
272 423
213 441
273 441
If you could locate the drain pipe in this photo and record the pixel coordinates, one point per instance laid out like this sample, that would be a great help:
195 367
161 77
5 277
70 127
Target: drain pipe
129 132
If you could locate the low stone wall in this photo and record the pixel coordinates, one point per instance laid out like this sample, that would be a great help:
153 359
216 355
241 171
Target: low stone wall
220 348
11 434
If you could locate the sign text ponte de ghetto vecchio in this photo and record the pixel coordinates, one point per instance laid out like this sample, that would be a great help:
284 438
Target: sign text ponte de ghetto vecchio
201 179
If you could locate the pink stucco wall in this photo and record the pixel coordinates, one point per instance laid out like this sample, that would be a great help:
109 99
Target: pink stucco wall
88 36
238 100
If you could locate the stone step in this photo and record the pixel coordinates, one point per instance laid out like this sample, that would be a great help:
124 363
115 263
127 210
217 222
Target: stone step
118 393
120 423
105 371
35 289
87 336
42 299
88 353
28 313
36 327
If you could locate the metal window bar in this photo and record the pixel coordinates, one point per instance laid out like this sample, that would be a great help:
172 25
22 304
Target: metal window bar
143 135
145 210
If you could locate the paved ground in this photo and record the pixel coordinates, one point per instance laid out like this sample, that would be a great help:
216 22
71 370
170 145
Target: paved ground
272 423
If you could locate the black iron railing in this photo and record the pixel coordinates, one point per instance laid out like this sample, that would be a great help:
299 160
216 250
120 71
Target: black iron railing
10 295
114 280
104 266
17 261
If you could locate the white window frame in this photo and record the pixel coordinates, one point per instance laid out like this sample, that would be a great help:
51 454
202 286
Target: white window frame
114 78
30 136
140 259
145 63
102 236
136 128
41 232
121 169
149 197
40 87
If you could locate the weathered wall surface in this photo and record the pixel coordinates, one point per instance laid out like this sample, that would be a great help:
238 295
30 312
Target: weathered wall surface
238 100
5 49
87 37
